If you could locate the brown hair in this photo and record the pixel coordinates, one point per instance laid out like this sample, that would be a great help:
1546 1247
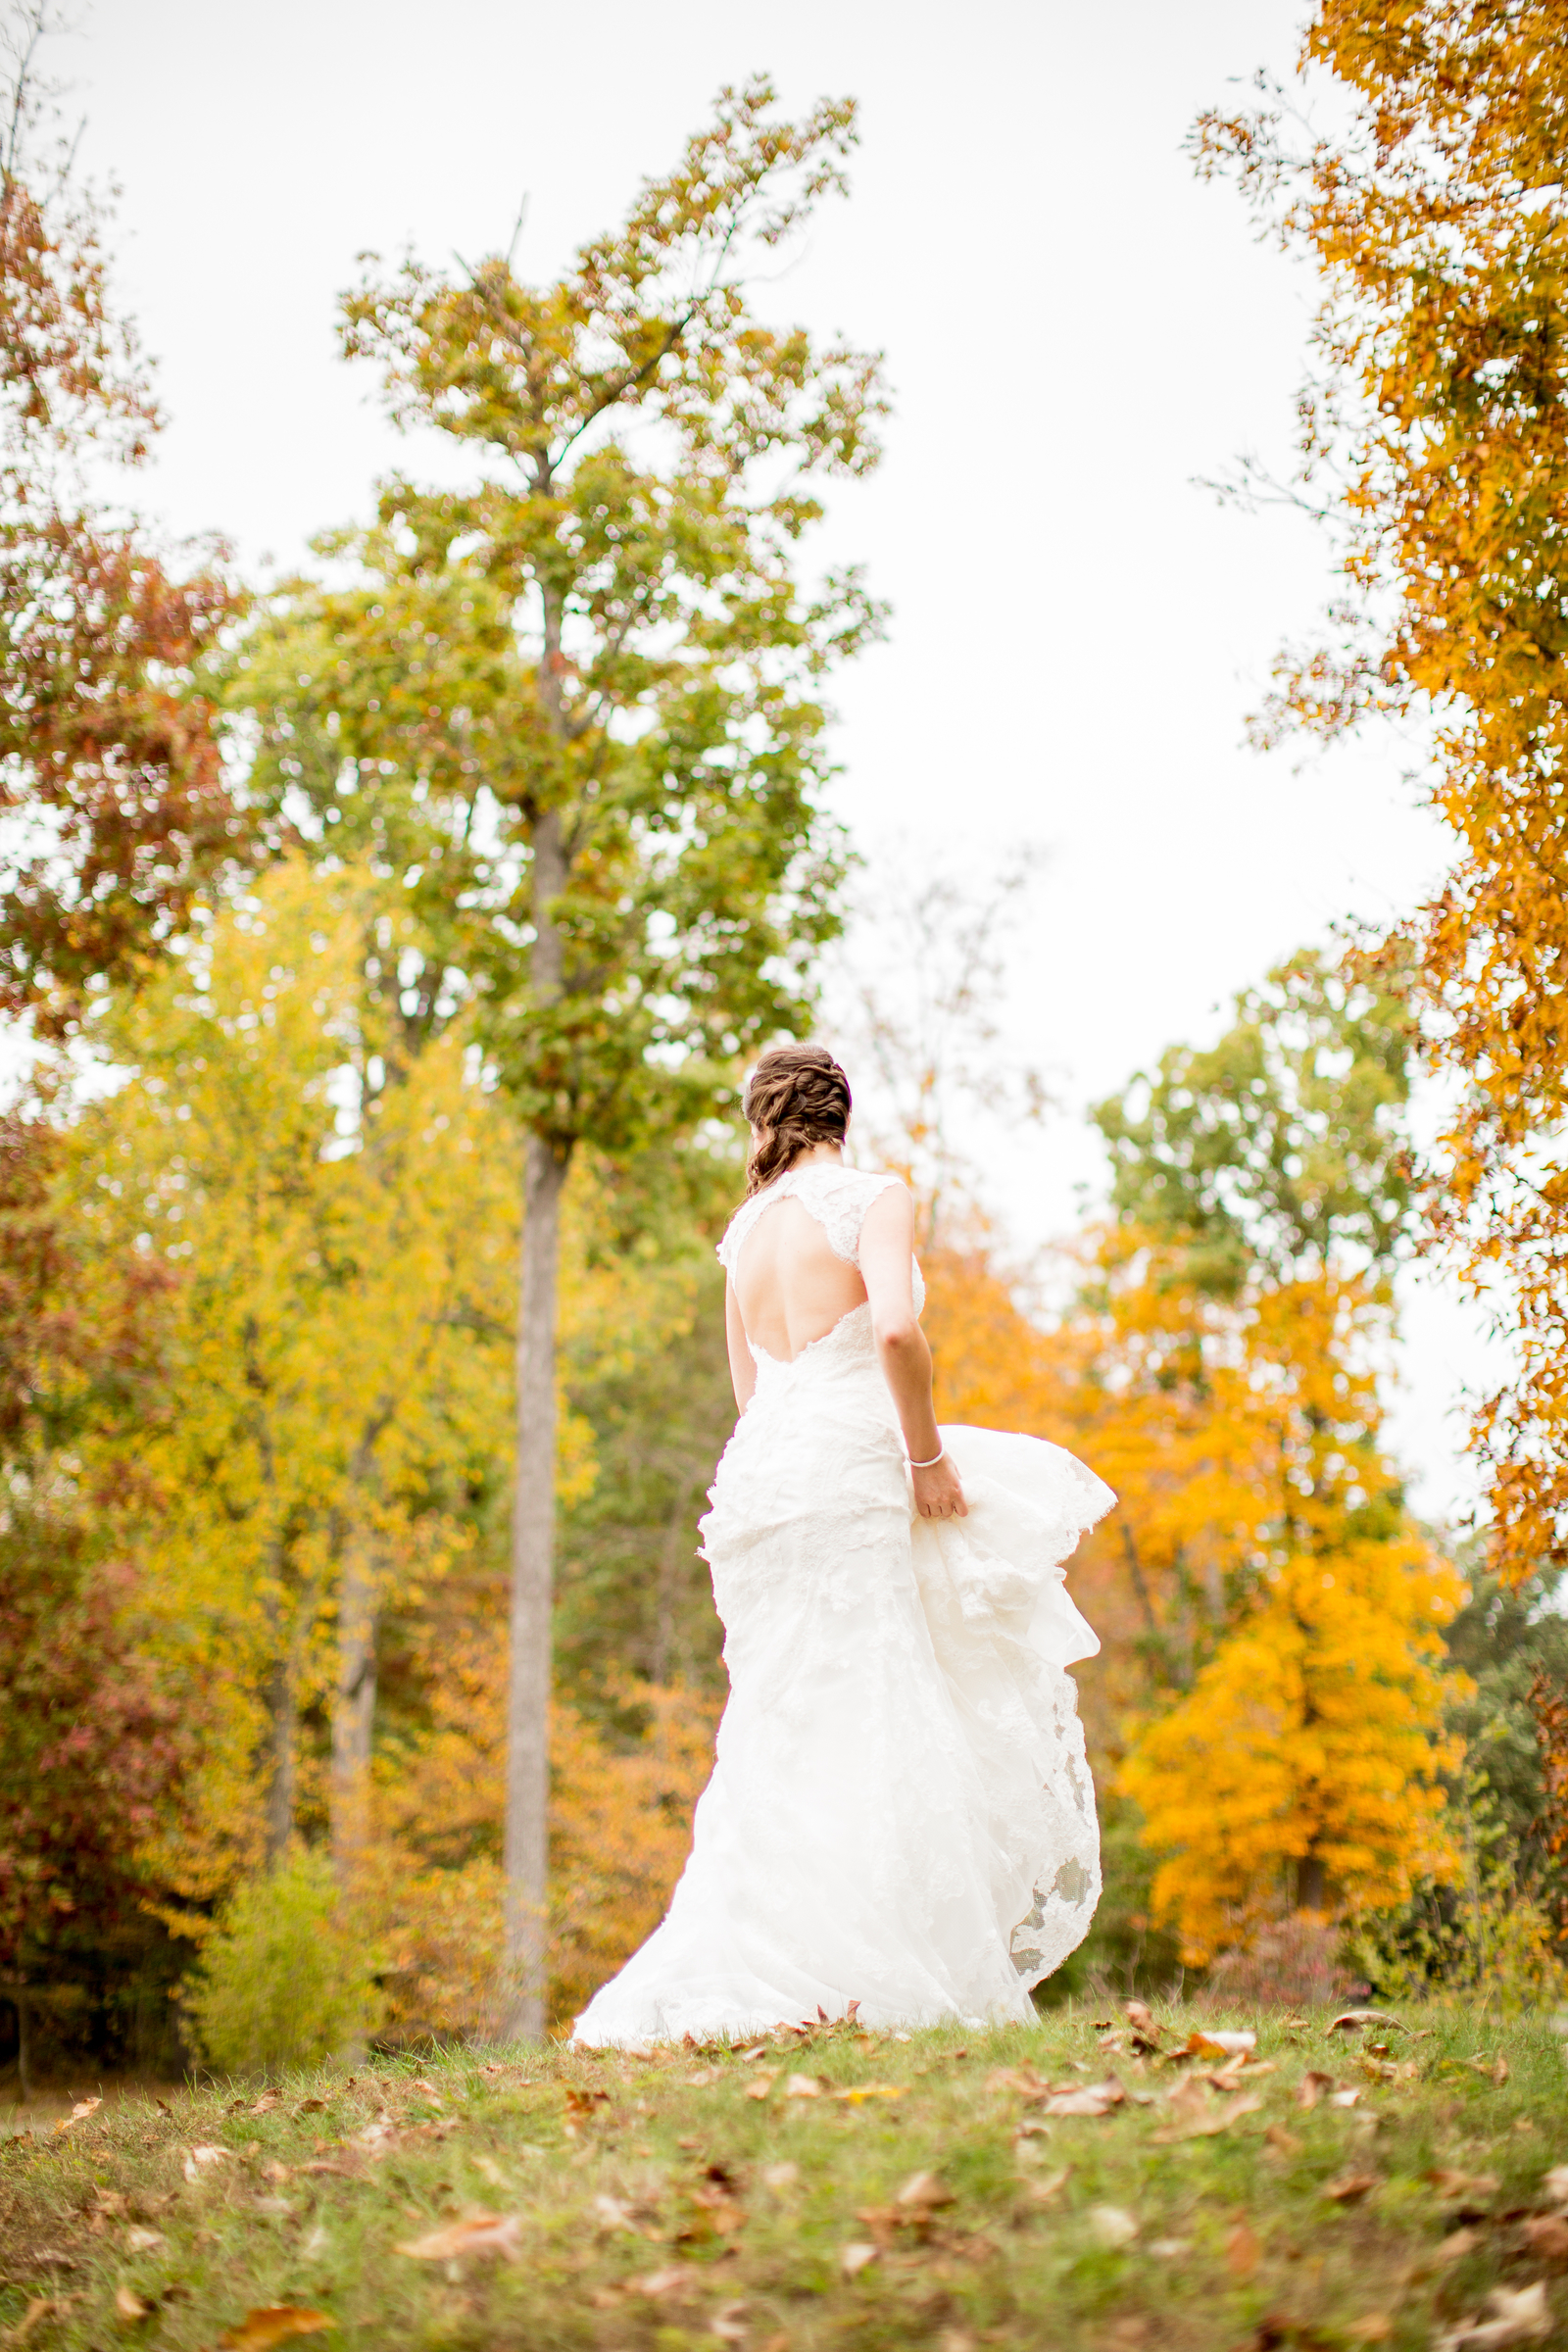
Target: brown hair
795 1097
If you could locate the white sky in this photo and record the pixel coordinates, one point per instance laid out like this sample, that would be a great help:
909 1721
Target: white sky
1074 327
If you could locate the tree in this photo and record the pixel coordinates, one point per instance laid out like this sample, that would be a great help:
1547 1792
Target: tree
1436 417
575 707
110 775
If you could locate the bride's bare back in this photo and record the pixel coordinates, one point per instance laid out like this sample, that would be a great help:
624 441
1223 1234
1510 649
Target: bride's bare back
790 1284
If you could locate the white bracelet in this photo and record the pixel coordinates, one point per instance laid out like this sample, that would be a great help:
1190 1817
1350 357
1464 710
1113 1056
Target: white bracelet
932 1464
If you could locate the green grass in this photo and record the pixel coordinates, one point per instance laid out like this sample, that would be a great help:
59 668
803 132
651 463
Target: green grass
648 2206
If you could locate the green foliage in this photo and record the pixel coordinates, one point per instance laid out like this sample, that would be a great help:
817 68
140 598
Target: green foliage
1285 1140
283 1980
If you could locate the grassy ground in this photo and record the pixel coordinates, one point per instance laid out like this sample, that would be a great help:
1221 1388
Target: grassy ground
772 2201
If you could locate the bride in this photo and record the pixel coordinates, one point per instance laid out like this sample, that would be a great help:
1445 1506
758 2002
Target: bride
900 1814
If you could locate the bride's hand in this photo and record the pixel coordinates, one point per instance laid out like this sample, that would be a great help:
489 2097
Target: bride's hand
938 1492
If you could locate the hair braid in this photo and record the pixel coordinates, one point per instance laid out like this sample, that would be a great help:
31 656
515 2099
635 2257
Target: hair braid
795 1097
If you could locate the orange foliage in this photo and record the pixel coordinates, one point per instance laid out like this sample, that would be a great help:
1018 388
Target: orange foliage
430 1894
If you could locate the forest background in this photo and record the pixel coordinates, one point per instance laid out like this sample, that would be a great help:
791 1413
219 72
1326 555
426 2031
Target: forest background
263 1210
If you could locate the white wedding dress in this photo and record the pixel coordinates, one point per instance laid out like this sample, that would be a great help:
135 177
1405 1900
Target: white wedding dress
900 1813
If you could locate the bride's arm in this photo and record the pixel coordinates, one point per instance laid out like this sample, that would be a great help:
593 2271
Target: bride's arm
887 1258
742 1363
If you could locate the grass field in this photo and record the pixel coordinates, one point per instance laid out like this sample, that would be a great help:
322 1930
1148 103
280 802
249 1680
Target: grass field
1393 2185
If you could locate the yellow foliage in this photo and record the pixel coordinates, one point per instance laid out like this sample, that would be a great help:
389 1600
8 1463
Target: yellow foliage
1308 1736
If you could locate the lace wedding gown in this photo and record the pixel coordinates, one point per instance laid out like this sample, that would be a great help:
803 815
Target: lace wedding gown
900 1812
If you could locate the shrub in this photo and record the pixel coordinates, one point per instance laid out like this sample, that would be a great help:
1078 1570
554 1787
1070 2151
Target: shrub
282 1981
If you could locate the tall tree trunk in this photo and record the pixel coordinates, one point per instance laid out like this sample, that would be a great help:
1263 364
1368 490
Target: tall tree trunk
353 1710
527 1851
282 1706
1311 1887
533 1547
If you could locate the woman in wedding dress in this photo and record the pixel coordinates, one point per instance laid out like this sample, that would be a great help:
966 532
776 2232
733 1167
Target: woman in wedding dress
900 1814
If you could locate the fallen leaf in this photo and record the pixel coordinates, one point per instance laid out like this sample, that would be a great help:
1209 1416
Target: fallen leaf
144 2241
265 2103
1244 2250
1284 2142
728 2323
1141 2018
1169 2249
1456 2246
274 2323
1093 2099
1499 2072
1352 2020
198 2160
779 2177
41 2308
1519 2316
1202 2043
310 2107
853 2258
1375 2328
480 2233
1041 2192
129 2308
1546 2236
1312 2087
1112 2225
1554 2184
923 2193
861 2091
1195 2116
1349 2188
761 2082
1453 2185
323 2166
1343 2098
802 2087
615 2214
658 2286
78 2114
702 2080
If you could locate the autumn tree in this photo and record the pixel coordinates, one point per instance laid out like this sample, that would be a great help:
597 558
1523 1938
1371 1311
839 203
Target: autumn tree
110 785
575 707
1435 438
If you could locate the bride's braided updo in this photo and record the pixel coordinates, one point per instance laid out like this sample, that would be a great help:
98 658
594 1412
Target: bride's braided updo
795 1097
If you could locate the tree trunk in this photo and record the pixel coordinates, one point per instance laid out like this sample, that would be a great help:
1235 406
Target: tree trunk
533 1545
283 1708
353 1711
1312 1892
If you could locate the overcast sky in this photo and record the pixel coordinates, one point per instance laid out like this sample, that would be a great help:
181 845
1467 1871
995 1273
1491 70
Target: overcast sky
1075 328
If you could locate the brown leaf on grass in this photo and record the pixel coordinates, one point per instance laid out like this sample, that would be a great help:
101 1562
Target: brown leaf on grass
1499 2072
1112 2225
1218 2119
1512 2316
201 2159
1343 2098
310 2107
728 2323
1350 2021
760 2083
924 2193
1283 2142
1349 2188
1375 2328
859 2092
323 2168
1093 2099
130 2309
1546 2236
1451 2185
660 2287
1554 2184
780 2177
853 2258
1456 2246
41 2308
274 2323
144 2241
1022 2078
78 2114
1042 2192
488 2233
1141 2018
704 2077
1312 2087
1217 2044
1244 2250
265 2103
802 2087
